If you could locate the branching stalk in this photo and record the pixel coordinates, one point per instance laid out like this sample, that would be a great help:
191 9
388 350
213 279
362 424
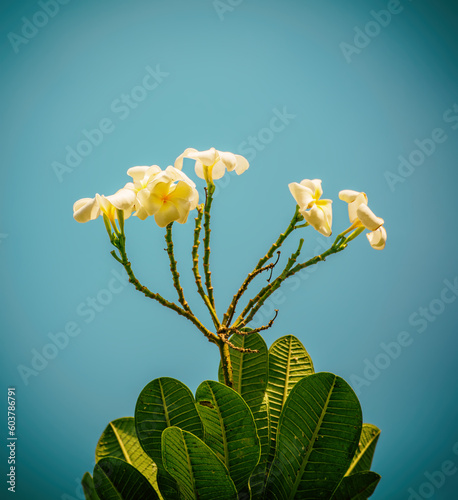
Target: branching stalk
120 243
174 270
195 267
208 203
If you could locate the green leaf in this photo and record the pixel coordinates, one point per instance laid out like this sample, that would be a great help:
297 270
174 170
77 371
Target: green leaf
362 460
318 434
230 429
198 471
164 402
359 486
115 479
289 362
250 372
88 487
259 475
119 440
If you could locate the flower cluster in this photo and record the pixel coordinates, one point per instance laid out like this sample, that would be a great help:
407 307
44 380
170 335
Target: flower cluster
169 195
361 216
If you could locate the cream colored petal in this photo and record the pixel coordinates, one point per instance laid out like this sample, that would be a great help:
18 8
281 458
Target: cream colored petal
314 186
326 206
182 190
207 157
194 200
242 164
377 238
348 195
137 173
303 195
85 210
229 160
177 175
319 219
183 207
218 170
150 202
141 213
123 199
199 169
361 199
368 218
166 214
184 154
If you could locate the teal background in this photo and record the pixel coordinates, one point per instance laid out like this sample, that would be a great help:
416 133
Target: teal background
227 73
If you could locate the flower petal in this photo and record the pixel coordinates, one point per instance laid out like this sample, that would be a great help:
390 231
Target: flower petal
348 195
141 213
177 175
229 160
199 169
320 218
150 201
123 199
184 154
218 170
303 195
368 219
85 210
242 164
361 199
314 186
377 238
166 214
207 157
138 173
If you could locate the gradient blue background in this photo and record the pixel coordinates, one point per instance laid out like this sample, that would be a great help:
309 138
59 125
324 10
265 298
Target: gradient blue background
226 76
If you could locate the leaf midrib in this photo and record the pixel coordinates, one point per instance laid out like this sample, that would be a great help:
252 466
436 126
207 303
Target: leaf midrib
121 444
223 429
288 364
164 404
363 451
312 441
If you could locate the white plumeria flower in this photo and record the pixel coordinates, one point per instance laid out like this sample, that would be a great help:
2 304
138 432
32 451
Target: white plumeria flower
362 216
88 209
168 195
317 212
212 164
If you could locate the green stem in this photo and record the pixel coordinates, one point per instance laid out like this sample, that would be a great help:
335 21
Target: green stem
258 301
208 203
297 217
226 363
195 267
121 245
174 270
